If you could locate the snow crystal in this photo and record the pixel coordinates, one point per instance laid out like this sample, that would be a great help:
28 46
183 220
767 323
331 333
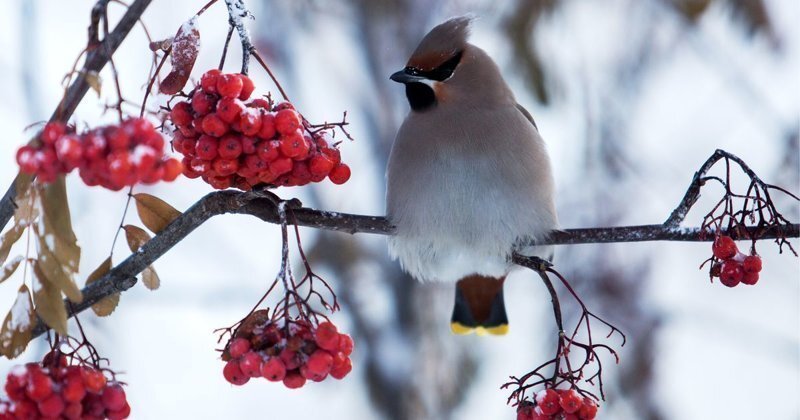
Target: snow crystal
14 260
18 370
141 151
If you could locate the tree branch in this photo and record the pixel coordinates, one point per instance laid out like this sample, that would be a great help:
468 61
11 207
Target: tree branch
122 277
97 57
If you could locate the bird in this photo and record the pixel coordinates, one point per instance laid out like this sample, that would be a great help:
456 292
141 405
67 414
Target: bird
468 180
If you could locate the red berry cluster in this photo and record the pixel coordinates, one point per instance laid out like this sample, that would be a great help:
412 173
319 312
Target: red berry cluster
55 390
113 156
230 142
734 267
293 355
558 404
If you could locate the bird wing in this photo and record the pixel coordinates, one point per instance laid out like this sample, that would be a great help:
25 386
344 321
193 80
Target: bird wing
527 115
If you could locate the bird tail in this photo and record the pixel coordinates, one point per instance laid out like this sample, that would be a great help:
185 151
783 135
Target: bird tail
479 306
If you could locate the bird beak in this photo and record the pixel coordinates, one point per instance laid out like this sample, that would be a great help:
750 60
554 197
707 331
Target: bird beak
403 77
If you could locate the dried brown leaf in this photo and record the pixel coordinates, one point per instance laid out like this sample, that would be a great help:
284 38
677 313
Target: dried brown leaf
150 278
49 306
155 213
136 237
17 327
106 306
58 222
8 239
95 81
185 48
54 269
10 268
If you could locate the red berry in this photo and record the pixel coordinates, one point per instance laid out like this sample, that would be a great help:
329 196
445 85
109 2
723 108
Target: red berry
73 390
229 85
114 397
340 174
220 182
341 370
268 150
273 370
294 380
181 114
571 401
69 150
345 344
120 414
207 147
320 362
588 410
320 165
73 411
229 109
117 138
294 145
214 126
238 347
172 168
752 264
225 167
731 274
208 81
203 103
25 409
724 247
39 386
250 363
230 147
250 121
284 105
267 130
287 121
52 131
233 373
280 166
247 87
332 153
750 278
327 336
548 402
26 159
93 380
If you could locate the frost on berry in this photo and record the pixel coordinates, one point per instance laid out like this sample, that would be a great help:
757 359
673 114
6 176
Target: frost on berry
290 353
55 388
113 156
261 143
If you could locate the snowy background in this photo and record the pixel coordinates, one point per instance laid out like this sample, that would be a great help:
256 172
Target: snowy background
631 97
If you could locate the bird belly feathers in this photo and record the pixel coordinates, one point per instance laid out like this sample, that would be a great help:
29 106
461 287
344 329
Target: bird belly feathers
462 201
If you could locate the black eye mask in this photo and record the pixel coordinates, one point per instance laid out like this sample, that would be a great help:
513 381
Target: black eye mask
441 73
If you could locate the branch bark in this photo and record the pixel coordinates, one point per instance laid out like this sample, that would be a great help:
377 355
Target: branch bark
97 57
122 277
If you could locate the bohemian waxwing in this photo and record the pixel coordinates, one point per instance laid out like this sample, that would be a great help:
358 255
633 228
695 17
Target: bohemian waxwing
468 179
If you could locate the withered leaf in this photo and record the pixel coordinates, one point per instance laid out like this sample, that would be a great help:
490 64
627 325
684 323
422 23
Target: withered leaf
48 303
17 327
58 222
136 237
185 48
53 269
10 268
94 81
155 213
150 278
8 239
106 306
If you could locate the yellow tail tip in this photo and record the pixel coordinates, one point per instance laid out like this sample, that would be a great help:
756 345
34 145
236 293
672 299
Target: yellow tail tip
460 329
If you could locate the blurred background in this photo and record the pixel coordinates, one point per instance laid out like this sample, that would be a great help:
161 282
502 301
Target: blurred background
631 97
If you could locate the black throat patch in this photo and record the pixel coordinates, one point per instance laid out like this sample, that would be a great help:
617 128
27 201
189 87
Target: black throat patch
420 96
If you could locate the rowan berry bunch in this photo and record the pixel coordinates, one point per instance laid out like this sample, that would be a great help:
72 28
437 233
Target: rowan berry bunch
114 156
230 141
293 353
54 389
558 404
731 266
